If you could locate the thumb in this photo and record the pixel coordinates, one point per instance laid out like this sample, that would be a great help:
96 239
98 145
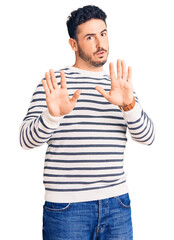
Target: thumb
75 97
102 92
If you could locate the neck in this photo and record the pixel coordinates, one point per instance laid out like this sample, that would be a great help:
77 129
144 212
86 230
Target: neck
85 66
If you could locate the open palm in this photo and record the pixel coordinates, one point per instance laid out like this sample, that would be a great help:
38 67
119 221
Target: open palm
121 92
58 101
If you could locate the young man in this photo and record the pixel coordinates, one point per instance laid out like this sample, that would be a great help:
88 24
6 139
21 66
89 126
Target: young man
83 115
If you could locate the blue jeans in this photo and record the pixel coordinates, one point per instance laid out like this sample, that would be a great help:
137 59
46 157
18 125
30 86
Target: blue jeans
107 219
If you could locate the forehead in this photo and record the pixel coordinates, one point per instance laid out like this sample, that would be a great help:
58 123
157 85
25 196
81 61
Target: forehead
92 26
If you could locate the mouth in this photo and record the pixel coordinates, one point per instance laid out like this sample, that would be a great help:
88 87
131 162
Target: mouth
100 53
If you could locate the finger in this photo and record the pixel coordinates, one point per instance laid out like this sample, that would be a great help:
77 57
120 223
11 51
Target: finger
47 91
119 71
63 80
53 79
102 92
75 97
129 79
111 70
112 73
49 83
124 74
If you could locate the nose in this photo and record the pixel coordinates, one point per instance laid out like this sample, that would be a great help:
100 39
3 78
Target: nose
99 43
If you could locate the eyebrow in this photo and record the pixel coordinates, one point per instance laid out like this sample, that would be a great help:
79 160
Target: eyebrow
93 34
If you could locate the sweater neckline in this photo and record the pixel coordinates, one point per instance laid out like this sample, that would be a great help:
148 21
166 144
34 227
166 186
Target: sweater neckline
86 72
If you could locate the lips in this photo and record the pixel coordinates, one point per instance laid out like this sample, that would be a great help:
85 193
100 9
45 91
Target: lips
101 53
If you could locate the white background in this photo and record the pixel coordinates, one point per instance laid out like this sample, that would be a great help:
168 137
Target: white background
34 39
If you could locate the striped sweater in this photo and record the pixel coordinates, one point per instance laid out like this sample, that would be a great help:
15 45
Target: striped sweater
85 154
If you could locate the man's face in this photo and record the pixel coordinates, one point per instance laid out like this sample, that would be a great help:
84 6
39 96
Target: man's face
93 44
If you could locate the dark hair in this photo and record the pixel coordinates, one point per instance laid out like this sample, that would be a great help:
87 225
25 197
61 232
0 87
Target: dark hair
82 15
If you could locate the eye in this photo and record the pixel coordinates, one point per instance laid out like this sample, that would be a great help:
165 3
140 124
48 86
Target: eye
89 37
103 34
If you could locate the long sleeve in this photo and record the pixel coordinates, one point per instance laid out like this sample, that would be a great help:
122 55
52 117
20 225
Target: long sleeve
38 125
140 126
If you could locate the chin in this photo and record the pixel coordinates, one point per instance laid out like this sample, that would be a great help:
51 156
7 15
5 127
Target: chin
98 63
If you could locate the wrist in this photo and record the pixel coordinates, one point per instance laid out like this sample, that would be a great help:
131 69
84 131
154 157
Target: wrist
129 106
54 114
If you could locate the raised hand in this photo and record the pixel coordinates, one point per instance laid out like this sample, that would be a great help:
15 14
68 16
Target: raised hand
121 92
57 99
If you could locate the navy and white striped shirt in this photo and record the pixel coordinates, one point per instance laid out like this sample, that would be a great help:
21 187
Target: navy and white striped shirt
85 155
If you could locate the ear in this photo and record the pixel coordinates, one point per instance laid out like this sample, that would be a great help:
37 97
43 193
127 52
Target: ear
73 44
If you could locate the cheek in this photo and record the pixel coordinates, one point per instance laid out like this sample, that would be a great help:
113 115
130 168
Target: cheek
107 44
90 48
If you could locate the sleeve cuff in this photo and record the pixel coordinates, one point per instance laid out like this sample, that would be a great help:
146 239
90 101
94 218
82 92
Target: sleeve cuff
50 121
133 114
